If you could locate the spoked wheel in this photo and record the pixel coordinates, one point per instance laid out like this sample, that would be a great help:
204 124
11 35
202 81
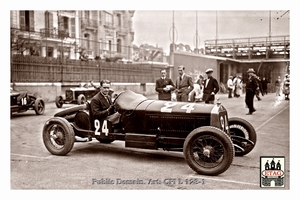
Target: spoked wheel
242 134
208 151
58 136
39 106
59 101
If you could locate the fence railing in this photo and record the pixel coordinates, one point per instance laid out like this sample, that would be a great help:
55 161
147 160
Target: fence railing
45 69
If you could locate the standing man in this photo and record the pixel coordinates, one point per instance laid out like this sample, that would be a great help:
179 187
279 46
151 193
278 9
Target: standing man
277 85
211 87
251 88
264 84
184 85
164 86
101 104
230 86
238 86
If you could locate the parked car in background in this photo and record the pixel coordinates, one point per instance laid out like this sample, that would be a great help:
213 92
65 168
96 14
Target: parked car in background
205 134
21 101
77 95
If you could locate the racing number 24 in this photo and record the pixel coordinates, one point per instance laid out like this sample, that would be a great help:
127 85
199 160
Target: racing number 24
104 128
168 107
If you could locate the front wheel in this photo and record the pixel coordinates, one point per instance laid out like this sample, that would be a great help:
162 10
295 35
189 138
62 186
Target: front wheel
81 99
242 134
208 151
58 136
39 106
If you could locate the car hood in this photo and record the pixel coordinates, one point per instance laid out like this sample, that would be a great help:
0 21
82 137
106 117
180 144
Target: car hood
129 100
176 107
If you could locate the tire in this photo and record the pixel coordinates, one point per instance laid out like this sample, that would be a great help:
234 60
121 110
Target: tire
105 141
239 129
58 136
39 106
81 99
208 151
59 101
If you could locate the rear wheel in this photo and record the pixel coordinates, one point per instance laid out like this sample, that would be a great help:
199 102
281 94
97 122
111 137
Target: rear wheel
242 134
208 151
39 106
58 136
59 101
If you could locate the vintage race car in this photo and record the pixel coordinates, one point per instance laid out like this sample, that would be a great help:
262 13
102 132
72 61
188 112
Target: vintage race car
78 95
21 101
203 132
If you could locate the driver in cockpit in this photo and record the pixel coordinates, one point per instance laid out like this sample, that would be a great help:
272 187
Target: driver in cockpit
102 106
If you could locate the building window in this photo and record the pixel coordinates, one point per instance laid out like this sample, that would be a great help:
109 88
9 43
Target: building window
87 40
48 24
27 20
87 14
119 45
119 19
49 51
109 45
66 23
108 19
100 18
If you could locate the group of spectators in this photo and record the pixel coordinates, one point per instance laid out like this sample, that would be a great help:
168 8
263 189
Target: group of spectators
235 86
181 90
255 86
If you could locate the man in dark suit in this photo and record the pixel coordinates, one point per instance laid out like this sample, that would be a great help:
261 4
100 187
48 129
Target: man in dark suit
252 86
101 104
184 85
164 86
211 87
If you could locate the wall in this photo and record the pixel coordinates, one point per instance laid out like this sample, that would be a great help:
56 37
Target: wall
195 64
49 91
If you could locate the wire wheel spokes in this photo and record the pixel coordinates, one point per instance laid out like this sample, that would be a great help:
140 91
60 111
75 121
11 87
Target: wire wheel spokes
57 136
207 151
40 106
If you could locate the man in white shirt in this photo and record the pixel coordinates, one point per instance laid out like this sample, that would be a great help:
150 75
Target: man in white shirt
230 86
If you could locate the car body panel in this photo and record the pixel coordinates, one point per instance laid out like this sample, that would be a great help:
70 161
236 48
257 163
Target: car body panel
198 130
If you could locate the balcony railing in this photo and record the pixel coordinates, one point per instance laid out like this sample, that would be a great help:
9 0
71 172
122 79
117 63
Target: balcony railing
89 23
54 33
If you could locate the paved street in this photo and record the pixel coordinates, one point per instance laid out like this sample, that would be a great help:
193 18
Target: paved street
92 165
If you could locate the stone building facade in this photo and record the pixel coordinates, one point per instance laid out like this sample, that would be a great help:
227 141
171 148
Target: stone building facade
69 34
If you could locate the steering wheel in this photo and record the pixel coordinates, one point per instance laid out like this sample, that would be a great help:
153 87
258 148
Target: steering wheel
117 98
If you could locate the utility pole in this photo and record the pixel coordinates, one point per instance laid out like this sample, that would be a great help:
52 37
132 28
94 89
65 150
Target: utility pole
216 32
270 25
173 39
197 32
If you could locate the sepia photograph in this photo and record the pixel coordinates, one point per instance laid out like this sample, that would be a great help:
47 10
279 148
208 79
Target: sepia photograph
172 99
